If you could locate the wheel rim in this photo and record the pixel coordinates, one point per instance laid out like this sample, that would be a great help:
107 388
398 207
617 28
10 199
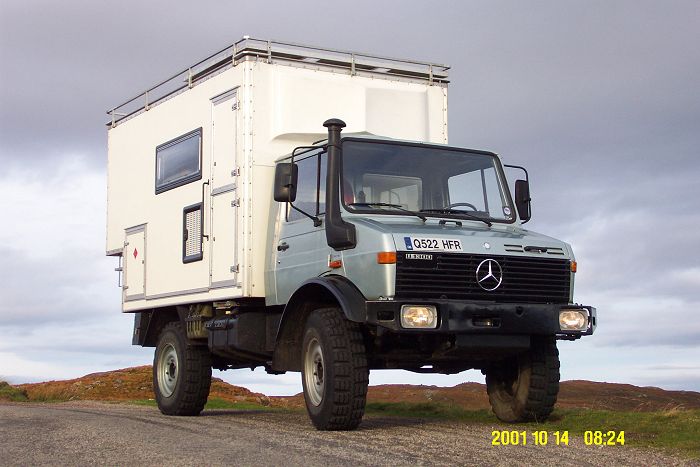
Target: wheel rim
314 372
167 370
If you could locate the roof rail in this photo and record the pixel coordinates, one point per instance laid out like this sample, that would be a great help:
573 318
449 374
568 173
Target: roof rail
247 48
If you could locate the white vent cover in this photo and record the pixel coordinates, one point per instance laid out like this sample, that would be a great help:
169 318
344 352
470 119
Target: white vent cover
192 235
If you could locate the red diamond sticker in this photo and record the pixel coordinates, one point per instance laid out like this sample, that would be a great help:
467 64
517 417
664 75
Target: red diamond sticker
136 253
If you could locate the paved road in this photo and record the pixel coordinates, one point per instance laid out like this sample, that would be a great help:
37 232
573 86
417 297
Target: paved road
82 433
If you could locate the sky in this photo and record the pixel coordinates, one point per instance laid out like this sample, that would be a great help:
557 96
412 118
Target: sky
599 99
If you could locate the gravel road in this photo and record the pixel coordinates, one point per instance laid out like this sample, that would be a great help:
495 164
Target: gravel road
88 433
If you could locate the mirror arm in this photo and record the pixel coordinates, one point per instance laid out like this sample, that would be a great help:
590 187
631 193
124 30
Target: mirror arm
317 221
527 178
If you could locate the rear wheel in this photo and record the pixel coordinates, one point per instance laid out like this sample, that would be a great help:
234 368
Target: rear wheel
334 370
525 388
181 373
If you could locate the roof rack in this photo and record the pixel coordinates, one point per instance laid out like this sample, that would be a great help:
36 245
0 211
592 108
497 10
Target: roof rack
278 52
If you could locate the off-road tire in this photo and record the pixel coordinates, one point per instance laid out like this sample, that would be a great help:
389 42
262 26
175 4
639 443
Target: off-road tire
525 388
344 370
187 392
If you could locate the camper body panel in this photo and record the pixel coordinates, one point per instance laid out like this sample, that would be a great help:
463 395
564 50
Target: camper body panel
133 197
247 116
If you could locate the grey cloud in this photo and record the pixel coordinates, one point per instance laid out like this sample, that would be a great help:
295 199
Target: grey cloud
599 100
65 74
61 341
658 336
44 293
646 321
674 368
624 254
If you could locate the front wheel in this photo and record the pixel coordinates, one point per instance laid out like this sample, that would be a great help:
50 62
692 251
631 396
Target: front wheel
525 388
334 370
181 373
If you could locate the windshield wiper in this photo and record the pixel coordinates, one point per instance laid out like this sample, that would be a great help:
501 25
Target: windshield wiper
459 212
389 205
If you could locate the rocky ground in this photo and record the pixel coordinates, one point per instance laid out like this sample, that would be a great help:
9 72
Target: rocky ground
95 433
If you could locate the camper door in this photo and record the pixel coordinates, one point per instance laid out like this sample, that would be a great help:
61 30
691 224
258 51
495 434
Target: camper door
224 190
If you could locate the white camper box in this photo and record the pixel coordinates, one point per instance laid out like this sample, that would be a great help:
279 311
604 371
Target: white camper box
191 160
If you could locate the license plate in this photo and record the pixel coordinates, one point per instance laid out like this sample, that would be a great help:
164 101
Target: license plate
432 244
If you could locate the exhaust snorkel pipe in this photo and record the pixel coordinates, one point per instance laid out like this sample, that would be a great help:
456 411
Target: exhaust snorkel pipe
340 235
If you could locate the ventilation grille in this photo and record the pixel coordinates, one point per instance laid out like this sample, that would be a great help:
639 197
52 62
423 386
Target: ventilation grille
192 234
453 276
555 251
533 249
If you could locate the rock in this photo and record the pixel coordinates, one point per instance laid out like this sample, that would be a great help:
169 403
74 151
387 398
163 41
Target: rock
264 400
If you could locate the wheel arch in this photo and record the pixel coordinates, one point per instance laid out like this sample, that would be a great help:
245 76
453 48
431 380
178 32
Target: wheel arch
312 294
148 324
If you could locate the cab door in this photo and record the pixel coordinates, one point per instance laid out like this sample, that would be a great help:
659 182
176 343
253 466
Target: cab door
302 251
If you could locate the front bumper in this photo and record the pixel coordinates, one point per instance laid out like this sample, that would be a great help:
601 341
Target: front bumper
461 317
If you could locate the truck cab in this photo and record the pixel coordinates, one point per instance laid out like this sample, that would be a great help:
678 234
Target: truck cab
425 245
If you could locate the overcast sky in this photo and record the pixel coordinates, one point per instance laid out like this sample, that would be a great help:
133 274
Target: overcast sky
599 99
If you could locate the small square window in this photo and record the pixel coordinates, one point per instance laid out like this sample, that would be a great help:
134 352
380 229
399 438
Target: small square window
179 162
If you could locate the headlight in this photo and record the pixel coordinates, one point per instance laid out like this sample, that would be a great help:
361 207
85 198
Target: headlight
419 316
573 320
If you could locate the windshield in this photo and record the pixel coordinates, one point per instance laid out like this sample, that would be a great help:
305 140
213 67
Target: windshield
388 177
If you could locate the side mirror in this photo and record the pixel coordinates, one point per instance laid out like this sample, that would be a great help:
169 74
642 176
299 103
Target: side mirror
286 175
522 199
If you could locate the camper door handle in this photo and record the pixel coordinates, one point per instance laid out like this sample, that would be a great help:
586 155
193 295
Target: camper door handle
282 246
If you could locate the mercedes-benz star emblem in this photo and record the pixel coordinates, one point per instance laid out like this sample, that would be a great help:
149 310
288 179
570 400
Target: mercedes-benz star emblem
489 274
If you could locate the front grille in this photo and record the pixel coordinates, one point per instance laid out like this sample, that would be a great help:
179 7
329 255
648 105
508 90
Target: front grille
453 276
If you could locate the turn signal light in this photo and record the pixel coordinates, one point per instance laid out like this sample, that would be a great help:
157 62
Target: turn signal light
335 264
386 257
573 266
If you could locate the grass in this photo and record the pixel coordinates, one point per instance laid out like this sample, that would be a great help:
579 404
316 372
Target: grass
11 393
671 430
429 410
214 404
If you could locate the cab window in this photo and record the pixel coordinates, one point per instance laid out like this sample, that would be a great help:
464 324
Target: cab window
311 187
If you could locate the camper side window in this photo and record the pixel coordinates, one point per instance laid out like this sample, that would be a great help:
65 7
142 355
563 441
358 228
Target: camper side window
179 161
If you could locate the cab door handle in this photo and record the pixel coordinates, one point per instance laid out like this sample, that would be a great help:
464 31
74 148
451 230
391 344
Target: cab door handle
282 246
